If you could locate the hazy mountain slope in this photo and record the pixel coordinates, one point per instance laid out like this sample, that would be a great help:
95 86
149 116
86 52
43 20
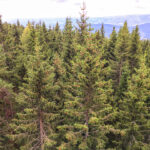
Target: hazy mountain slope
119 20
143 21
108 28
143 28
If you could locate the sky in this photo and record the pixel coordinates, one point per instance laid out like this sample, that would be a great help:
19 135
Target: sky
10 9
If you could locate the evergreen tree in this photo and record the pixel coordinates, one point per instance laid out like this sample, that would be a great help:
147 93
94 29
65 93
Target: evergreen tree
6 103
102 33
28 39
11 47
56 42
6 114
135 50
4 73
1 30
121 55
68 45
34 125
83 26
120 75
88 110
100 38
73 89
111 46
136 115
41 37
60 97
146 50
26 49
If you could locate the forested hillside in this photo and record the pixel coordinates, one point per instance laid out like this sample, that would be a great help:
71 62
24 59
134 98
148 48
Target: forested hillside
73 89
143 22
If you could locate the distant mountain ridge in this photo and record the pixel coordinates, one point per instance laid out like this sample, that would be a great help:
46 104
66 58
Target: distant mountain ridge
143 21
143 28
132 20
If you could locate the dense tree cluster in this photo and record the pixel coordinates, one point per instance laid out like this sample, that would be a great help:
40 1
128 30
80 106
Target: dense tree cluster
73 89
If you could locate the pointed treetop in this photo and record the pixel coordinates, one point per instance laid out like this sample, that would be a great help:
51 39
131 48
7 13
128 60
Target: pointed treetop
102 31
83 6
0 23
57 27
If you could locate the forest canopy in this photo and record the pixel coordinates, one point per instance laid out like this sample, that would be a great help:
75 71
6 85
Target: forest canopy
73 89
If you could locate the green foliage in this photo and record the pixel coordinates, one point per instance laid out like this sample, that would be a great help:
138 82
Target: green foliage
68 46
137 112
135 50
121 55
86 111
6 102
72 89
56 40
111 46
28 39
83 26
33 126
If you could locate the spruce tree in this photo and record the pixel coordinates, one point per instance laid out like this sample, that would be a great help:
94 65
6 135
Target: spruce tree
34 125
82 25
41 35
99 38
6 103
102 33
73 89
25 51
136 111
1 30
6 113
56 40
68 46
87 109
121 55
135 50
146 50
111 46
27 39
120 75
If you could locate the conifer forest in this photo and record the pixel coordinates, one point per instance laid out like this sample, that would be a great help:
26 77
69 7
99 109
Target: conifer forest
73 89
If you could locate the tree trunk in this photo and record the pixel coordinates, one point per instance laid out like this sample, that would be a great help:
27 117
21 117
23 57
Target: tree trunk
86 123
42 132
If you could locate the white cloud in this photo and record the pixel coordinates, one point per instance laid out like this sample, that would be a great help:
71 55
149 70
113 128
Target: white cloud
64 8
